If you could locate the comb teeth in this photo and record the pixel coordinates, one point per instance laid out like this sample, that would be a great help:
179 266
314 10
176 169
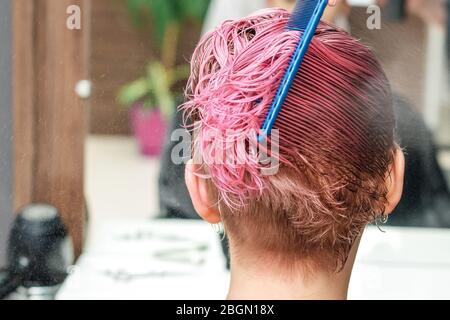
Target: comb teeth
304 18
302 13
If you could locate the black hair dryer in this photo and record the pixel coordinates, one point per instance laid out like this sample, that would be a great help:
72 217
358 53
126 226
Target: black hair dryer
39 255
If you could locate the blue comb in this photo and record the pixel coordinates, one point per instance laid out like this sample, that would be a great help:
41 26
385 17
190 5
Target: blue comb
304 18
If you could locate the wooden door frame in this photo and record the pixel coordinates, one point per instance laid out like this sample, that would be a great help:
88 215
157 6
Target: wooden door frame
50 120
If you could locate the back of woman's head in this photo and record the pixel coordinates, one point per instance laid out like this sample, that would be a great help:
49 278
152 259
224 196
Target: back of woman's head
336 136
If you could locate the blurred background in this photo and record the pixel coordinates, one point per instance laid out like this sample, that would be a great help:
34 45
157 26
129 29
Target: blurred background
88 98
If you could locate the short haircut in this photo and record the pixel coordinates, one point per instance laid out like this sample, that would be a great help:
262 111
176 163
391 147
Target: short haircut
336 133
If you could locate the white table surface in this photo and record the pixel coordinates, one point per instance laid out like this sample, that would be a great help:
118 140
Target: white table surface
119 248
401 263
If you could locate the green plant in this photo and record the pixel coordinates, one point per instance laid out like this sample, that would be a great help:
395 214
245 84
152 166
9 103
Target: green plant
154 89
167 17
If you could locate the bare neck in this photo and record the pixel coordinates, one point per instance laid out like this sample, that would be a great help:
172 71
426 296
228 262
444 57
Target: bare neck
254 281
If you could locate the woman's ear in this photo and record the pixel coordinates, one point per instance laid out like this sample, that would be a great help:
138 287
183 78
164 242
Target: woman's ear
204 202
395 180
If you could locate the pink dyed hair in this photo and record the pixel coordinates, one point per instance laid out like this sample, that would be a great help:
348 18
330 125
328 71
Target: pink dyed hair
336 133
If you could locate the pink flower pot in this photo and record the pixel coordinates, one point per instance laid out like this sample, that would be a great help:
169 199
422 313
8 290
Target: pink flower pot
149 128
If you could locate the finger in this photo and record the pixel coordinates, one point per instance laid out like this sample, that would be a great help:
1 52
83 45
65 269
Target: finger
332 3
